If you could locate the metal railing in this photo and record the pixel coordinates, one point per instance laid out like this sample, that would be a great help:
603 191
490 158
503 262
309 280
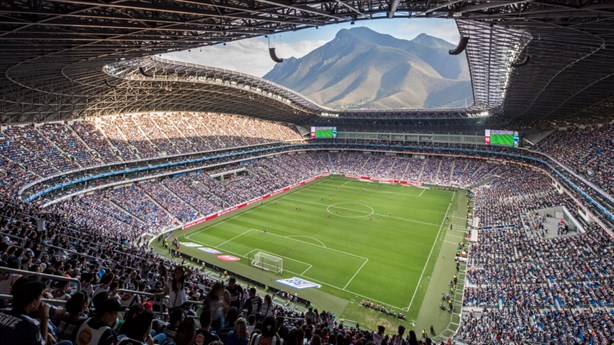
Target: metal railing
46 300
44 275
20 239
156 297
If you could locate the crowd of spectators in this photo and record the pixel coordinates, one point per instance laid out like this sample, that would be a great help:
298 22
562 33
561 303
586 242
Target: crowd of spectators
31 152
504 199
520 288
200 308
443 171
523 288
516 325
105 263
589 151
157 205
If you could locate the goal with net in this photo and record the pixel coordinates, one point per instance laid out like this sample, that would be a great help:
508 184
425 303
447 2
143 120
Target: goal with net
268 262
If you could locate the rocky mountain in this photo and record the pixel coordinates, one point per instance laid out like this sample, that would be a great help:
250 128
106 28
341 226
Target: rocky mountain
361 68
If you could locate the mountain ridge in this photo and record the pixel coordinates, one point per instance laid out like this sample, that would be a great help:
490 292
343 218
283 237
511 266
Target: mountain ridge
361 68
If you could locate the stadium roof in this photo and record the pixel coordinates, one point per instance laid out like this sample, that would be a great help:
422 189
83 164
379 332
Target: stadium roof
66 59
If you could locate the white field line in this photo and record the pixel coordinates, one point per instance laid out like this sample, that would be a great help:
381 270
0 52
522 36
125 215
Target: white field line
281 256
291 259
361 211
286 237
315 245
429 257
223 221
313 238
310 278
227 251
246 257
313 279
233 215
374 190
356 273
419 195
343 184
239 235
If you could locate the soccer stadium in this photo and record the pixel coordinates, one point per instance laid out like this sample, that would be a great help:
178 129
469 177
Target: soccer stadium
146 199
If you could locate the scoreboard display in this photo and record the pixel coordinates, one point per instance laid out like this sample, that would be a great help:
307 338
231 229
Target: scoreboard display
501 137
323 132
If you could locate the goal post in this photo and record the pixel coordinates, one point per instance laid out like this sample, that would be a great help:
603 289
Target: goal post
268 262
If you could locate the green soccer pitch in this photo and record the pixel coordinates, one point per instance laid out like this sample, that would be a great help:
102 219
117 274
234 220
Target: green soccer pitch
359 240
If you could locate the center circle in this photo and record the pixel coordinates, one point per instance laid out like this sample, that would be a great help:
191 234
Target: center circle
345 209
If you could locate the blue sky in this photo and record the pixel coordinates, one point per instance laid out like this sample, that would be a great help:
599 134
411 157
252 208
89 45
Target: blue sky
252 56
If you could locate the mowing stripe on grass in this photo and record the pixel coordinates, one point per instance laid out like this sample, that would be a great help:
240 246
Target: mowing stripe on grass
313 238
379 191
429 257
315 245
313 279
359 211
239 235
246 256
332 267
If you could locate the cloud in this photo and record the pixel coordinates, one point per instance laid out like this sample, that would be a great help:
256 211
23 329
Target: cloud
251 56
247 56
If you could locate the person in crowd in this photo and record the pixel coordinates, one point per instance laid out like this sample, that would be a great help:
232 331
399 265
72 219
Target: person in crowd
268 335
27 321
239 334
253 303
98 330
205 335
379 335
136 330
268 307
76 314
186 334
236 293
216 303
176 288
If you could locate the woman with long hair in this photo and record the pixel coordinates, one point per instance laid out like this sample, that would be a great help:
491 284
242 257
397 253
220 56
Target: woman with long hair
238 336
413 340
267 308
216 304
176 288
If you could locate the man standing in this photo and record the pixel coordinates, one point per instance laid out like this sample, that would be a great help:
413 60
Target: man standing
310 316
236 293
16 326
379 336
253 303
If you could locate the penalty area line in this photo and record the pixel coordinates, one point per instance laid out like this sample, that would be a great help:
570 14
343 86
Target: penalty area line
246 256
355 274
239 235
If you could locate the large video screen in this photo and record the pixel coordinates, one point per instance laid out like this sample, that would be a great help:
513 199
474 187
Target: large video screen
323 132
501 137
